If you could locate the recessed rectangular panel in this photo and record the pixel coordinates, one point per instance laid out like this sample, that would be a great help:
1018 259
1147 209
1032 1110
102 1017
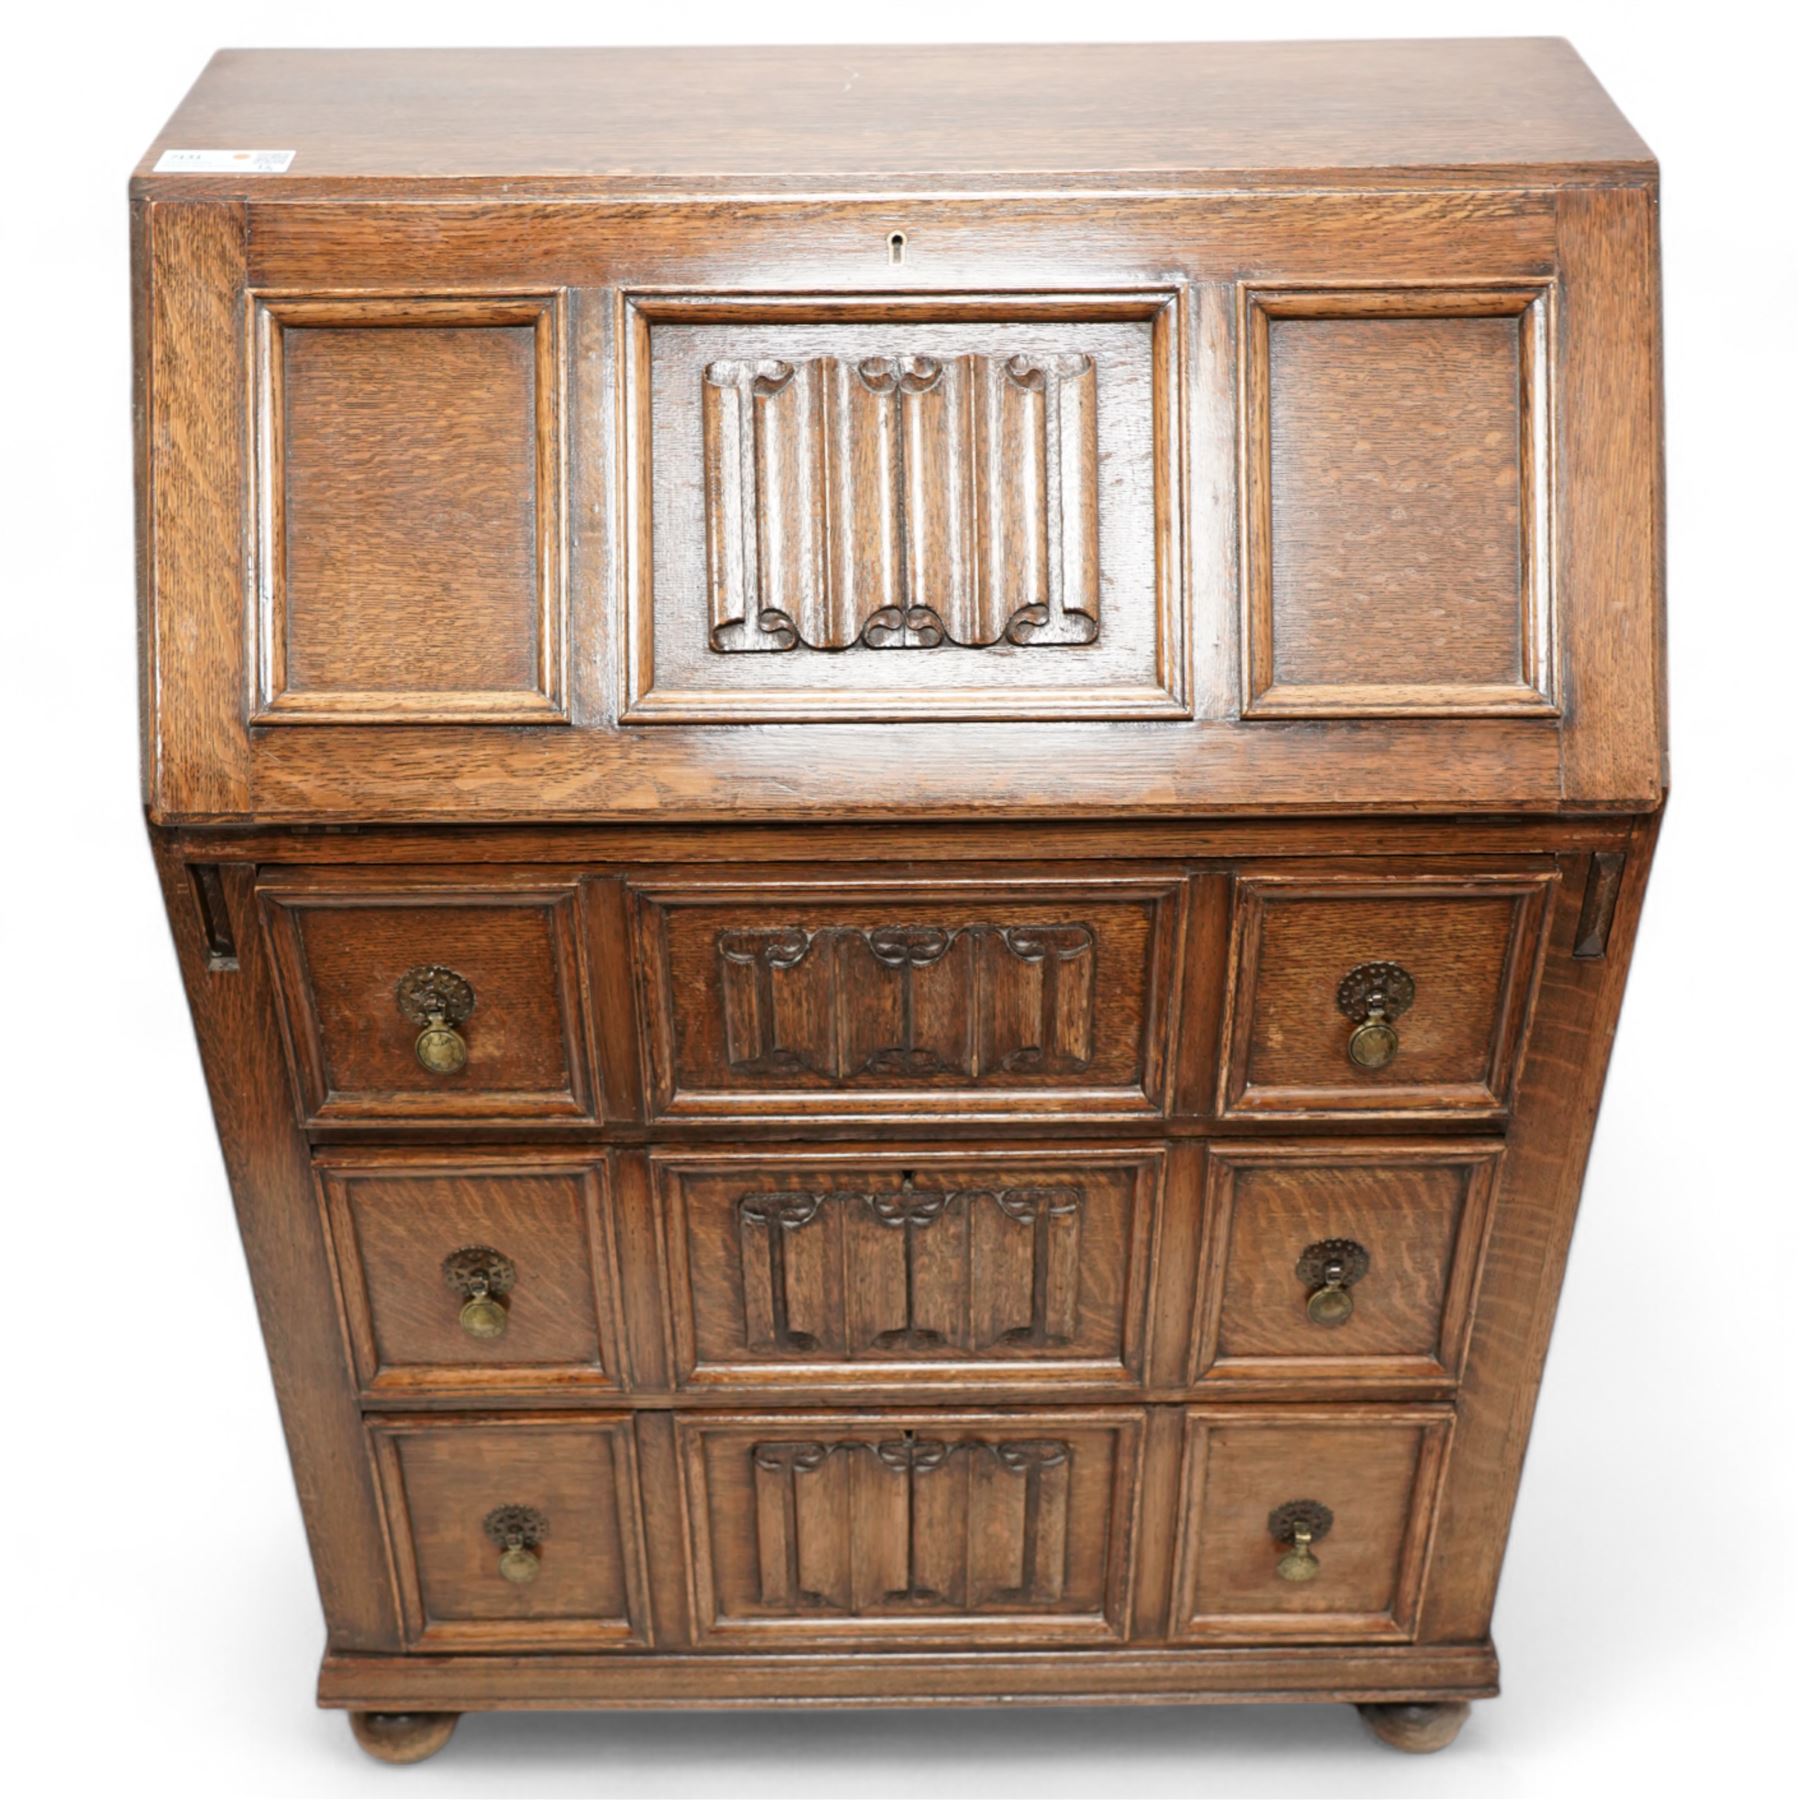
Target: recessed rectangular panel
907 997
969 1528
410 469
856 1269
1397 554
904 509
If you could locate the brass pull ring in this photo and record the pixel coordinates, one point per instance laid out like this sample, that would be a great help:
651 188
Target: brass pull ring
437 1000
1299 1524
483 1277
518 1530
1374 995
1330 1268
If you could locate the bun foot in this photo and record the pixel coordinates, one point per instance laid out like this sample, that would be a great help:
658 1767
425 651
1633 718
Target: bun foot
1417 1728
402 1737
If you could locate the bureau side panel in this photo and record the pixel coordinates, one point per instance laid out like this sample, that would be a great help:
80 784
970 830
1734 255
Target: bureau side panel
1558 1100
233 1004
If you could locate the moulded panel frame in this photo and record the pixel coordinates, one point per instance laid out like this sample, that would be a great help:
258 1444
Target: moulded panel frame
654 892
270 312
285 891
1111 1625
1433 1372
1481 1101
1436 1427
1167 696
337 1168
1530 300
632 1632
1145 1165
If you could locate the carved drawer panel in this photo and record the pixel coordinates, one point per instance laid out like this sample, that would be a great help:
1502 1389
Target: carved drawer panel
470 1272
905 507
871 997
1401 994
873 1528
427 996
1342 1262
1306 1524
847 1270
465 1497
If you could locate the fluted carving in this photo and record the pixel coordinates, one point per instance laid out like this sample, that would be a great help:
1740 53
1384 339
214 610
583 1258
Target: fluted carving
902 502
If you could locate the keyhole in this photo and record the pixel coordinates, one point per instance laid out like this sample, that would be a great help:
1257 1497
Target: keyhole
897 247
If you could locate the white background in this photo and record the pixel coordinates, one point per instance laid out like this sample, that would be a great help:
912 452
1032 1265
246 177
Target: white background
159 1608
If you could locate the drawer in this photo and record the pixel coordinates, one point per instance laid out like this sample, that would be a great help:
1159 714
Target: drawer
1363 1480
1342 1262
972 1528
863 995
1405 995
418 996
852 1269
473 1272
463 1494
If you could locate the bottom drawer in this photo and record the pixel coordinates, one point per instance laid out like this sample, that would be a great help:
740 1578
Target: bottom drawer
977 1528
514 1533
1306 1523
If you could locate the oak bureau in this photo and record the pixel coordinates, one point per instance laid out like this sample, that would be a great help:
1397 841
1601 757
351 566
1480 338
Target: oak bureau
904 793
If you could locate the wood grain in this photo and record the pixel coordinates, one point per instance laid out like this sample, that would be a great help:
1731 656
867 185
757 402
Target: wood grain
1404 112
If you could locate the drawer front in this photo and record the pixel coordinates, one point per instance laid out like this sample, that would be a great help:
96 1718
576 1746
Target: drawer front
1353 995
408 997
859 997
460 1494
846 1270
1363 1480
897 1528
1342 1262
473 1273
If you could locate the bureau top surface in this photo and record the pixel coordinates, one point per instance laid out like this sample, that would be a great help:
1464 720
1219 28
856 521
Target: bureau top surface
1455 111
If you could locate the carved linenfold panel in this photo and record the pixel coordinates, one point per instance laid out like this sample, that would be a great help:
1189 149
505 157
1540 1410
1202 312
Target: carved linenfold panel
902 502
912 1523
908 1001
946 1271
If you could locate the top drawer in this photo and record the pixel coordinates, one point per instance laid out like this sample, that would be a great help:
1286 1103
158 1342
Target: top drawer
409 996
865 995
1407 996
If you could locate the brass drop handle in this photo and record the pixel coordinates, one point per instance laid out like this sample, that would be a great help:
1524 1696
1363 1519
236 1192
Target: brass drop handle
437 1000
518 1530
1373 995
1299 1524
1330 1268
484 1278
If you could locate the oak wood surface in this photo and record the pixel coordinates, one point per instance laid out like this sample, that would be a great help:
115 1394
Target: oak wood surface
1113 114
904 618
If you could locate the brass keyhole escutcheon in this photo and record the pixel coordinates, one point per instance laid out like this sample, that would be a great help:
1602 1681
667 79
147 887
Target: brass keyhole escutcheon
1299 1524
518 1530
437 1000
1373 995
483 1277
1330 1269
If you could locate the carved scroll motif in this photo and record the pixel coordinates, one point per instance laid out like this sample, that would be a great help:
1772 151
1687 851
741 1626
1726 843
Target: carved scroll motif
911 1272
908 1002
871 1527
902 502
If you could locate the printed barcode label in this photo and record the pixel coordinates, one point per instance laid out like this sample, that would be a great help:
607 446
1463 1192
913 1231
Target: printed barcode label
224 162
